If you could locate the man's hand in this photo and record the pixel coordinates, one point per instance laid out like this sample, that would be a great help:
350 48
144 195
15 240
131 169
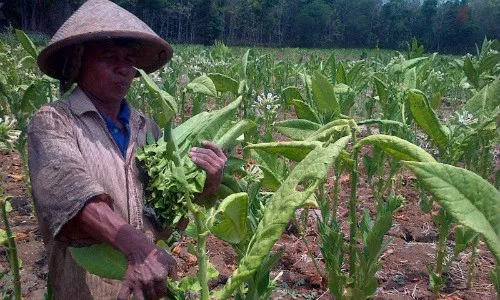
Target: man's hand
211 159
148 265
146 274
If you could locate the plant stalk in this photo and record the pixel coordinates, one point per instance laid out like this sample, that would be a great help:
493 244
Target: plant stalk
444 230
352 211
12 250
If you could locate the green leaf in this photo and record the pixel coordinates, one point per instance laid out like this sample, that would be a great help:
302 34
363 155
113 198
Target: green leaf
324 95
341 77
161 99
331 128
271 180
231 219
101 260
229 139
309 173
397 147
244 63
298 129
485 101
224 83
411 63
3 238
471 72
436 100
27 43
488 63
295 150
470 199
203 85
8 207
427 118
354 71
380 122
215 127
382 90
27 62
304 111
290 93
410 80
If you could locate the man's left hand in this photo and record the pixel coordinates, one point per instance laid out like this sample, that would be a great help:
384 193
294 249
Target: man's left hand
211 159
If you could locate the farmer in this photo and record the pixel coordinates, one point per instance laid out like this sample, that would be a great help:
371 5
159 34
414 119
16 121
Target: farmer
86 185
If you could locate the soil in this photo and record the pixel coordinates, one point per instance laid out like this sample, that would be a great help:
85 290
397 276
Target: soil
403 273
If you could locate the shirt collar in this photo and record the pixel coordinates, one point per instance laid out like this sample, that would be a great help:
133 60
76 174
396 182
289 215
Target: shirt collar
80 104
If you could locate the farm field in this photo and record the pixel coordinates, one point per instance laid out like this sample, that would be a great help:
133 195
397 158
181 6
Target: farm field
368 222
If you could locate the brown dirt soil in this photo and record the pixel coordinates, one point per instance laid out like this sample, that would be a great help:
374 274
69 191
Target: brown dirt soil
404 264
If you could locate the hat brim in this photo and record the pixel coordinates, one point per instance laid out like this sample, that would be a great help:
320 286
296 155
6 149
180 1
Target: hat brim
154 53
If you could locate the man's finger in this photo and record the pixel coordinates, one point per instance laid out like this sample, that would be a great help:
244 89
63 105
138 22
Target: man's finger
212 146
207 163
124 293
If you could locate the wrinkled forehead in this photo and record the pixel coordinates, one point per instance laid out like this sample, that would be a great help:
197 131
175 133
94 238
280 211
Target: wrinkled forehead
111 45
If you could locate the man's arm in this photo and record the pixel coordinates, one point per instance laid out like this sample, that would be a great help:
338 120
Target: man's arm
148 265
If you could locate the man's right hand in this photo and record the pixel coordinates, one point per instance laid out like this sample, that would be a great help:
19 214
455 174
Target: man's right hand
148 265
146 274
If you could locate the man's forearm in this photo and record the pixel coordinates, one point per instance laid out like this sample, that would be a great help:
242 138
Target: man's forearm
100 222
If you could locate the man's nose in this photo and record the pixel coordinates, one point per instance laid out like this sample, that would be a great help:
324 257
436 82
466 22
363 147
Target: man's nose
124 67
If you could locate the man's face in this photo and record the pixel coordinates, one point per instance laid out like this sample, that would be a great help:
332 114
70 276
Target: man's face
107 70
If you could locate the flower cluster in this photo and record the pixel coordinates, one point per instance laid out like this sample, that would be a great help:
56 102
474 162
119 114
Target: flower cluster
466 118
8 134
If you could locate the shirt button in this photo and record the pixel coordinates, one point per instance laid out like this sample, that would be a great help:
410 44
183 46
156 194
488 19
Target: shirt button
116 130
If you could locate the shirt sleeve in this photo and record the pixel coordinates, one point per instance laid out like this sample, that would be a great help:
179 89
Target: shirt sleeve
61 184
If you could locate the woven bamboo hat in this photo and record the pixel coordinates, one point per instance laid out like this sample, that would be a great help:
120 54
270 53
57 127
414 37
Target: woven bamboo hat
102 20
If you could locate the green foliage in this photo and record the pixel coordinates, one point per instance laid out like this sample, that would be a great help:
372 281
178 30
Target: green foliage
466 196
310 172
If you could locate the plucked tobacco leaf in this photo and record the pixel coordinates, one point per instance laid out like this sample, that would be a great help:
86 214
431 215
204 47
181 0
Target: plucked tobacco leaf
470 199
203 85
397 147
298 129
229 139
295 150
281 208
427 118
324 95
224 83
215 126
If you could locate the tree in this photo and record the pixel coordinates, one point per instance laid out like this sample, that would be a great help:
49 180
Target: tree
207 23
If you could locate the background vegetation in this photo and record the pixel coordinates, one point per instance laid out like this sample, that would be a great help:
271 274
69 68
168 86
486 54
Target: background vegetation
449 26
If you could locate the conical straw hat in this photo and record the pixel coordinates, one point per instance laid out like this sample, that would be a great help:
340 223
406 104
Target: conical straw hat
101 20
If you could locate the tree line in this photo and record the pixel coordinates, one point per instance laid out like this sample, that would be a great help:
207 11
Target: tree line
450 26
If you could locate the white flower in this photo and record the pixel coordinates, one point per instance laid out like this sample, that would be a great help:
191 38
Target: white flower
467 118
